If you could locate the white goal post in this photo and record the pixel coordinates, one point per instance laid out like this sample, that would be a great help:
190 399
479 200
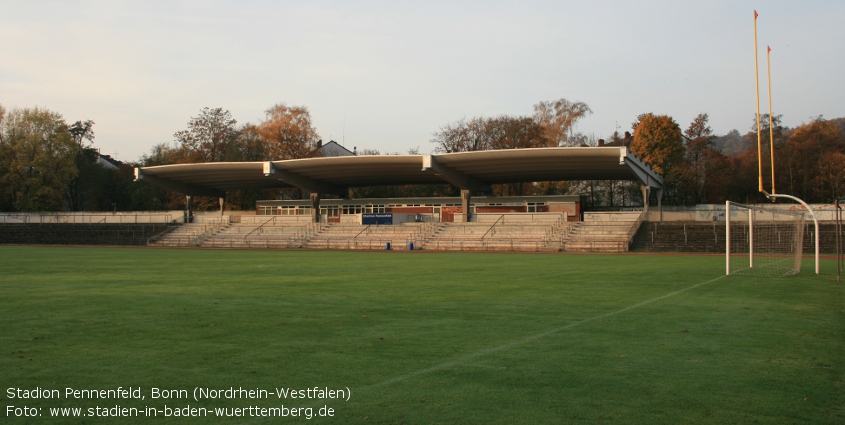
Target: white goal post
763 240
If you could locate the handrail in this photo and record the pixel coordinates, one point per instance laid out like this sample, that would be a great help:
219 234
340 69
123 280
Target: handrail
207 230
632 232
355 238
502 217
259 227
158 235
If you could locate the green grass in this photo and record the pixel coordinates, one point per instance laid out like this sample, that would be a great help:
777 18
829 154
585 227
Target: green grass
423 338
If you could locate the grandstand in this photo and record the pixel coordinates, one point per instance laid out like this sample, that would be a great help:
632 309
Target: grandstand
475 221
417 227
496 236
699 229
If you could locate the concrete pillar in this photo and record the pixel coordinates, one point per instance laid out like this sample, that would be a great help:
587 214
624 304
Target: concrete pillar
660 203
222 201
315 206
466 195
189 207
646 194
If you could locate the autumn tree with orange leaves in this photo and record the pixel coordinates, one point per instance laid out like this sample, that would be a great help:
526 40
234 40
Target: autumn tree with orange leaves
287 132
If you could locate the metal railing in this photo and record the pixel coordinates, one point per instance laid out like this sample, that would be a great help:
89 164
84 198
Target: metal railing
443 244
502 218
258 229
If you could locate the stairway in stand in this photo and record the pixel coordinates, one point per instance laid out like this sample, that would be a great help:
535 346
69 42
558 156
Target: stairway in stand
603 232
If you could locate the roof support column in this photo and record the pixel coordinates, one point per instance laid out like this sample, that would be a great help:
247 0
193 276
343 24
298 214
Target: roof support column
189 209
222 201
660 203
315 206
466 195
646 192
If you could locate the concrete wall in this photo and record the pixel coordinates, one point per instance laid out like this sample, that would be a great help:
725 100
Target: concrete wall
102 217
612 216
716 212
79 234
519 217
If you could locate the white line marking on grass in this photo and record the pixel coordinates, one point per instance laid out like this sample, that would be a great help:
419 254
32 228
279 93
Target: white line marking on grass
467 358
482 366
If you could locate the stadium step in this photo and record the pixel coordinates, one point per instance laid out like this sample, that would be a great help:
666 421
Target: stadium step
600 236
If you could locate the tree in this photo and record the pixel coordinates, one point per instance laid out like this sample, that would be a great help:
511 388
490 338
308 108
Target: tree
809 146
764 127
502 132
81 131
830 181
659 142
287 132
147 196
695 169
209 135
506 132
88 171
250 145
731 144
462 136
37 160
558 119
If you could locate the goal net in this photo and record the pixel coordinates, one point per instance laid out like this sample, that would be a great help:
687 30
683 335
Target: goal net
763 240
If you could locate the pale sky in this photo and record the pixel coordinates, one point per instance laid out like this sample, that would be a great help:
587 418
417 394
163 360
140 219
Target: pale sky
386 75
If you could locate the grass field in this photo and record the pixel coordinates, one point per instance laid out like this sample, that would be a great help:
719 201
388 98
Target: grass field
420 338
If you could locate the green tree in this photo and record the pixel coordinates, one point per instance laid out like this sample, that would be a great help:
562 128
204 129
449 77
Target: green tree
82 131
88 170
731 144
38 155
695 170
209 136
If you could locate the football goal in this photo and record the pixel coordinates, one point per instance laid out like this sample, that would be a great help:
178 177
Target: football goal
763 240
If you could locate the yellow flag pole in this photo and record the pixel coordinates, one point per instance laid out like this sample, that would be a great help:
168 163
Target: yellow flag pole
771 125
757 87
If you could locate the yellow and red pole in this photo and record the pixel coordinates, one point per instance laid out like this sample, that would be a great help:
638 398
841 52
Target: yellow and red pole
771 114
757 87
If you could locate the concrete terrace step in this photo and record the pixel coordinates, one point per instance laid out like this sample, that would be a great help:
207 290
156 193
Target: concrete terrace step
601 236
551 236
